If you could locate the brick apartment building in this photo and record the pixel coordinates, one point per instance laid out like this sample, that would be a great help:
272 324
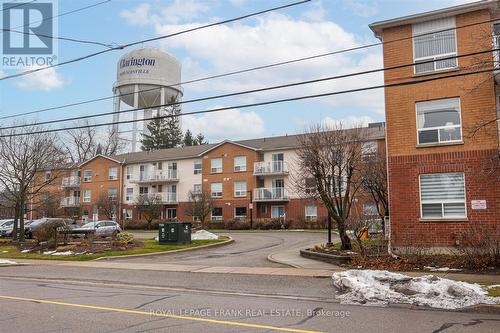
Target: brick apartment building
442 178
249 178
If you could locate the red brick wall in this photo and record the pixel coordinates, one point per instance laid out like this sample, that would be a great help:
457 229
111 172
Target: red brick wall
482 182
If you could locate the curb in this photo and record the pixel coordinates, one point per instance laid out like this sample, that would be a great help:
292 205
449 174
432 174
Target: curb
483 309
271 259
226 242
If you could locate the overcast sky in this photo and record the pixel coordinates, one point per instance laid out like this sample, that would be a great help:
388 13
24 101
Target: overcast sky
316 27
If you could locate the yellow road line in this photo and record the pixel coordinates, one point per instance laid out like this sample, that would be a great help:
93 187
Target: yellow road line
206 320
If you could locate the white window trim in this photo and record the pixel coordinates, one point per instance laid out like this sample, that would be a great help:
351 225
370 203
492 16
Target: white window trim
214 194
85 198
218 217
240 167
240 216
277 206
310 218
442 201
238 193
85 179
216 169
110 176
435 57
195 170
439 142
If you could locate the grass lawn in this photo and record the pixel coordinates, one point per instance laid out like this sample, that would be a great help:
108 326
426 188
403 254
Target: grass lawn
150 246
493 291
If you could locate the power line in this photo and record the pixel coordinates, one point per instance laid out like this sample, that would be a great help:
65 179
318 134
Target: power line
260 89
238 71
121 47
290 99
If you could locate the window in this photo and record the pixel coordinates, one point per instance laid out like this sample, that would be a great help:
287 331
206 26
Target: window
240 163
143 190
128 214
130 172
216 165
277 212
311 212
172 170
431 43
197 167
86 195
240 212
112 193
442 195
197 188
171 213
216 189
217 213
439 121
370 209
87 175
240 189
113 174
368 148
310 185
129 195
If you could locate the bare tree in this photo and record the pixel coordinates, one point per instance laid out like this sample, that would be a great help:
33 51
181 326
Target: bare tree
84 143
47 203
375 183
149 206
199 206
330 169
24 152
107 204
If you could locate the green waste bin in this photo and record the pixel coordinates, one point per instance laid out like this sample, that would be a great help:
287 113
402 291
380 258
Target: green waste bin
174 233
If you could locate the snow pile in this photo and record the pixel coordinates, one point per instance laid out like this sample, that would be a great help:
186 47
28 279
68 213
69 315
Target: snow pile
441 269
203 235
55 253
7 262
373 287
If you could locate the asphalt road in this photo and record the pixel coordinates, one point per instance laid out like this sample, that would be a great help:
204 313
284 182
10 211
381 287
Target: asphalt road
249 249
63 299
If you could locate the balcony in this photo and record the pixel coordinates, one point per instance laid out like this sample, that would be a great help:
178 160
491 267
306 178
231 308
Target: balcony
70 202
270 194
270 168
68 182
162 197
158 176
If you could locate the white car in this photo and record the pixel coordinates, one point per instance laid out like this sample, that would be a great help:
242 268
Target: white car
102 228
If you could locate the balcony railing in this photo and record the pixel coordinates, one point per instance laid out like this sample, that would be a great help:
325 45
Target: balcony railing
270 168
270 194
70 202
72 181
162 197
156 177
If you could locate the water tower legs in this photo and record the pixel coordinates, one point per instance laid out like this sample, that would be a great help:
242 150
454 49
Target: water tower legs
134 124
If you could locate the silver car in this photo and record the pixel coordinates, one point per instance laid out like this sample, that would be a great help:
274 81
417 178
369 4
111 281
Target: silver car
102 228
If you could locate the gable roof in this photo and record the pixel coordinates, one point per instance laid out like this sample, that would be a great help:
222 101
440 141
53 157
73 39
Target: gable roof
378 27
99 155
164 154
238 143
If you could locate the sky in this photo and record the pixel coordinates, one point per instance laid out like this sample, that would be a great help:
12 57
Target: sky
316 27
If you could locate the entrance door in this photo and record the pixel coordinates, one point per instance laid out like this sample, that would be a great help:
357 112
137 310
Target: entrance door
277 212
277 159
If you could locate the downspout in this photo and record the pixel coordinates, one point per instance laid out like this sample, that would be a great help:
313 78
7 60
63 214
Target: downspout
389 245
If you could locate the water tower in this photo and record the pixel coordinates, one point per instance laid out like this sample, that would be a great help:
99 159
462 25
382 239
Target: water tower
145 79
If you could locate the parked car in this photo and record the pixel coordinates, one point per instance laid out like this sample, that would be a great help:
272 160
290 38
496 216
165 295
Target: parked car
6 228
34 225
102 228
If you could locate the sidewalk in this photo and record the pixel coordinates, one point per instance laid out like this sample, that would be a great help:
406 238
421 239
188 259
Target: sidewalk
183 268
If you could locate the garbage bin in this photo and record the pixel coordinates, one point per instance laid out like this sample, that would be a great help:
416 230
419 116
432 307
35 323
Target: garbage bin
174 233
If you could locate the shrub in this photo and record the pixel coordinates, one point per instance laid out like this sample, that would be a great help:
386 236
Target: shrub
125 237
479 246
47 232
142 225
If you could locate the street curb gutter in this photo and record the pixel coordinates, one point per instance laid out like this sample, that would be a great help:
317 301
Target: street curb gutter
226 242
271 259
483 309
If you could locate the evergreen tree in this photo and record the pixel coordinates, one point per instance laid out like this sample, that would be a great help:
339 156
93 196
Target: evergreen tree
200 139
189 140
164 132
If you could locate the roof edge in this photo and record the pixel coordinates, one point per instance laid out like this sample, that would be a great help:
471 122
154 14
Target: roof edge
377 27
